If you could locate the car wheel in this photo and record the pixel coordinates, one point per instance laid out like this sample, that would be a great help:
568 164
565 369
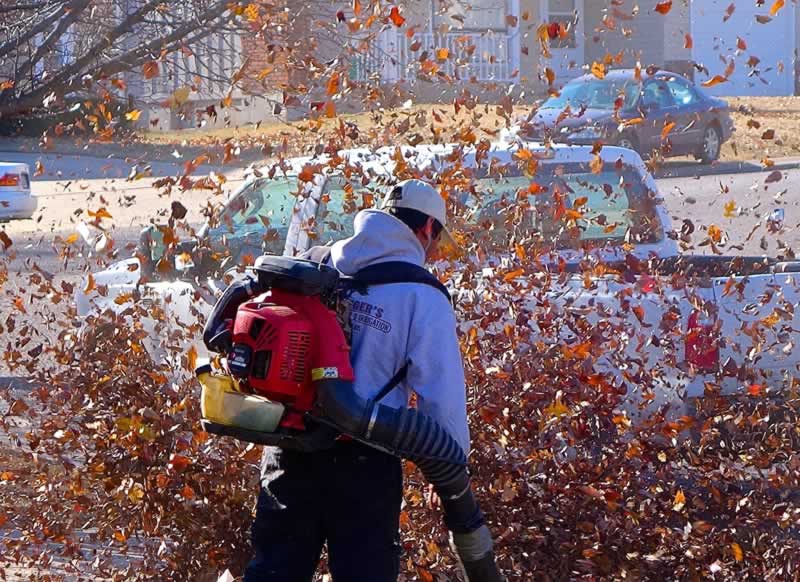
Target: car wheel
711 145
628 141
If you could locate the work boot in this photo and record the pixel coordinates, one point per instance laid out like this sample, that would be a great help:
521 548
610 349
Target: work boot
483 570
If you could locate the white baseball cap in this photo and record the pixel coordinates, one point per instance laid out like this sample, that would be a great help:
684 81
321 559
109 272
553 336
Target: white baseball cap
422 197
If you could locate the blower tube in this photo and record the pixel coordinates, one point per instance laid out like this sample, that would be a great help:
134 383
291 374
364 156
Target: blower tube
410 434
403 432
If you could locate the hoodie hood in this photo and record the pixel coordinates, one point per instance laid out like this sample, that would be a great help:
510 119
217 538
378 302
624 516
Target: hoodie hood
379 237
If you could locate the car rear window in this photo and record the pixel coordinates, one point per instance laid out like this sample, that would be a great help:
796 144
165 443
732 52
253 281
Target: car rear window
562 205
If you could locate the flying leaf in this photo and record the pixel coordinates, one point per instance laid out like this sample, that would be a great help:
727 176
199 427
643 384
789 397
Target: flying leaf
738 554
133 115
599 70
330 109
333 84
715 233
679 501
730 209
763 19
715 80
100 214
774 176
191 358
687 41
180 96
150 69
356 7
513 275
668 127
90 285
729 11
397 19
741 44
596 164
776 7
5 240
550 75
71 239
442 54
769 134
664 7
758 389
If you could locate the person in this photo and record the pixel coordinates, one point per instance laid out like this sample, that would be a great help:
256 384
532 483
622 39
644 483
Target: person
350 495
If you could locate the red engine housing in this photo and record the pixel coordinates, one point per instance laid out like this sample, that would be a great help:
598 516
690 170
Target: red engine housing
282 341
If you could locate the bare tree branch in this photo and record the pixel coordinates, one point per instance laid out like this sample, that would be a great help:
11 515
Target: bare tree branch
69 18
13 44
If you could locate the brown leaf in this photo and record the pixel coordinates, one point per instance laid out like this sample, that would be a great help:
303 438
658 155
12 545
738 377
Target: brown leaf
687 41
191 358
769 134
763 19
150 69
774 176
729 11
596 165
664 7
90 284
599 70
5 240
715 80
741 44
397 19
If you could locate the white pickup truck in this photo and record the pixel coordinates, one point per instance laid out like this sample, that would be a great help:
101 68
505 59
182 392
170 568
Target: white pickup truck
606 260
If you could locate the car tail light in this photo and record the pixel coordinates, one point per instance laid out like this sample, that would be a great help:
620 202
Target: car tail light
9 179
702 342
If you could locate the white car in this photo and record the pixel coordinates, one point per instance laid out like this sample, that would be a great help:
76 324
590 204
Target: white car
671 324
16 200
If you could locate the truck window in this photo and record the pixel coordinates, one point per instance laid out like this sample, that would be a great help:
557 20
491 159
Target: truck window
341 200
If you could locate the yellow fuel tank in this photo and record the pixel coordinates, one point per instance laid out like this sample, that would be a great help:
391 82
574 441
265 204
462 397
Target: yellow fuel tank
222 403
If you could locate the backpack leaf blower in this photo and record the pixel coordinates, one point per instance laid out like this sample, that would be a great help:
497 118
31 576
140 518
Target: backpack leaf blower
291 385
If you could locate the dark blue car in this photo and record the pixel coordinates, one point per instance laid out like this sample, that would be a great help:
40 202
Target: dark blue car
663 111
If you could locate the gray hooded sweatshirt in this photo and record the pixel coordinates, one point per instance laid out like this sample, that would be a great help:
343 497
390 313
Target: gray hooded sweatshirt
403 322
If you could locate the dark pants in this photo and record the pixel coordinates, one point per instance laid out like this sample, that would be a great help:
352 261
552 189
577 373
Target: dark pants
348 496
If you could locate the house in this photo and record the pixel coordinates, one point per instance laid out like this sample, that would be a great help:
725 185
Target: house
497 42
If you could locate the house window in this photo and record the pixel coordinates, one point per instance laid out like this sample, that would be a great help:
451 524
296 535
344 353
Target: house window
478 15
562 13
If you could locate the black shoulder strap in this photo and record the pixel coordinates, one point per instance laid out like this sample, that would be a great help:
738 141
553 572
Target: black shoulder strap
319 254
399 376
398 272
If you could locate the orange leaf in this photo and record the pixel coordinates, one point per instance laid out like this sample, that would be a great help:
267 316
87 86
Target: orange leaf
39 169
715 80
687 41
100 214
120 536
397 19
634 121
667 128
715 233
664 7
90 284
729 209
513 275
191 358
755 389
330 109
679 501
596 164
599 70
133 115
738 554
741 44
549 75
333 84
442 54
356 7
776 7
150 69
